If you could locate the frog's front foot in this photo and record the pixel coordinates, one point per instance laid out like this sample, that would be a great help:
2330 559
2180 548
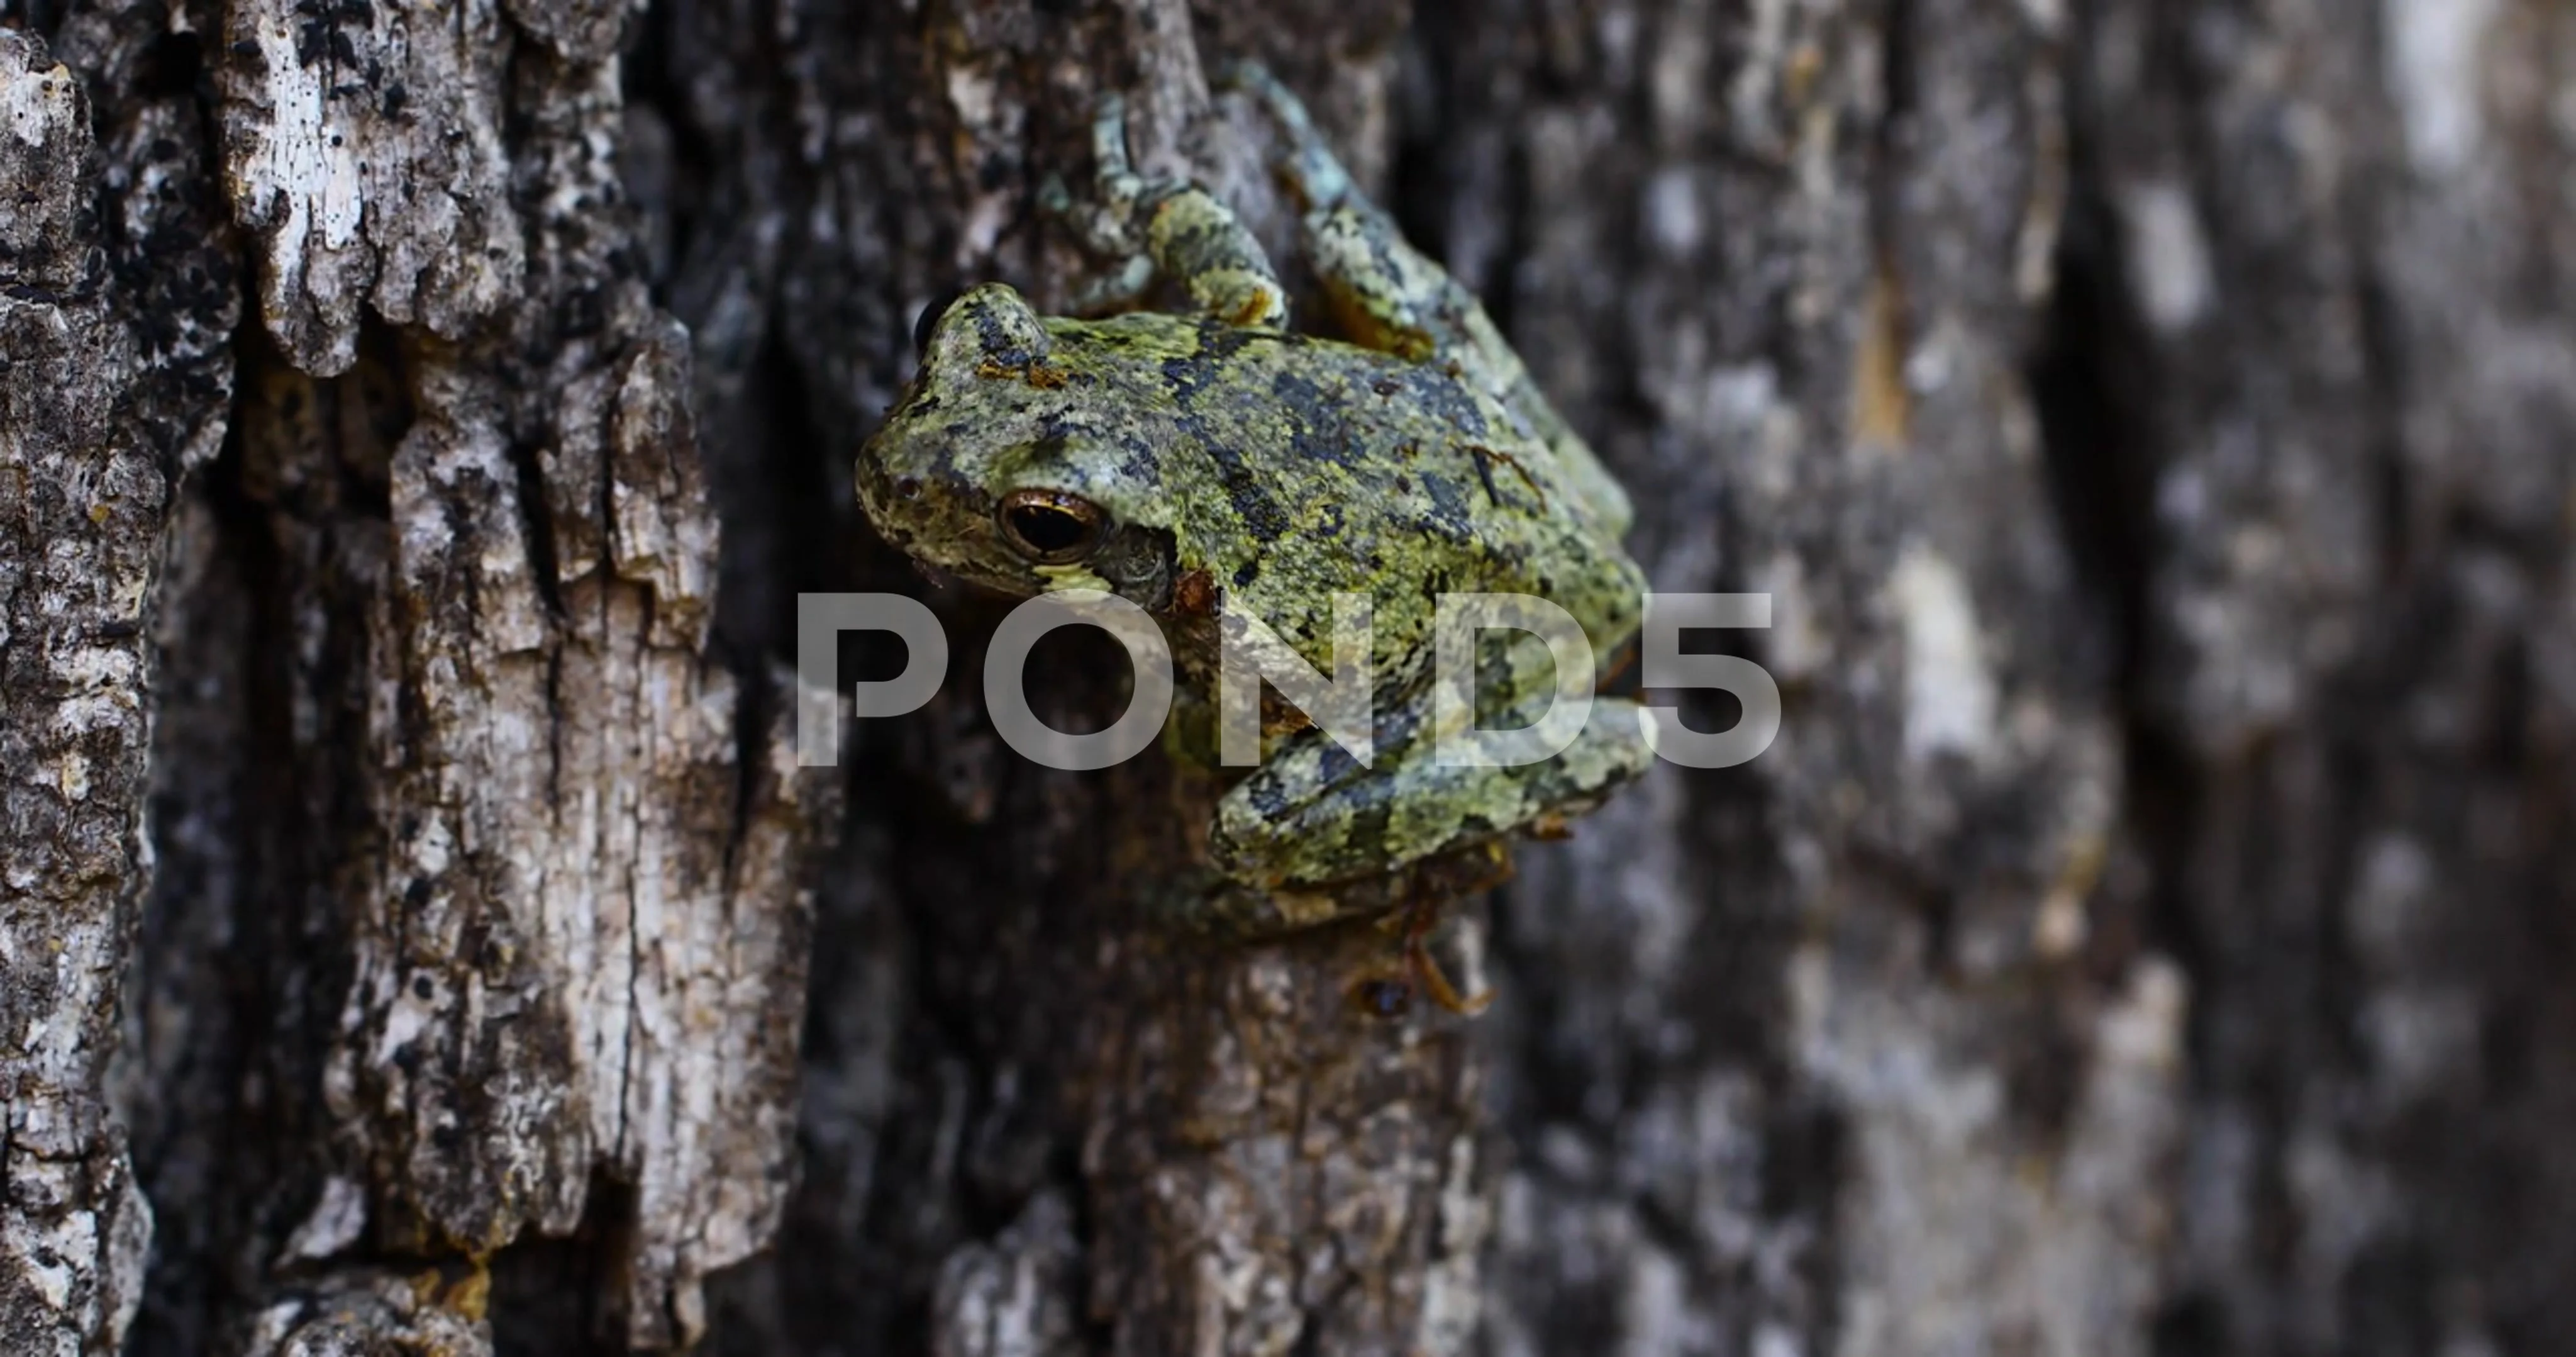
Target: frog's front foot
1170 228
1312 173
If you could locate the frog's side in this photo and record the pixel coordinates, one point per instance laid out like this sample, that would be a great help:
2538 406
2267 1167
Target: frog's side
1184 461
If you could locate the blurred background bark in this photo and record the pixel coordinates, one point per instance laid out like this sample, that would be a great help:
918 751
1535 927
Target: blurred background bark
2155 421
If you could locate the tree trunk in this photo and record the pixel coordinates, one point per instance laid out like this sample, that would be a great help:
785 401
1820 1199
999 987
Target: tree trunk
2155 424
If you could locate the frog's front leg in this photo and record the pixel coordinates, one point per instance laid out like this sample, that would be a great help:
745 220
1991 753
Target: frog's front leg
1387 294
1311 816
1170 228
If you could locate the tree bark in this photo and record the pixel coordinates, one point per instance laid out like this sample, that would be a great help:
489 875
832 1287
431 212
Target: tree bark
2151 421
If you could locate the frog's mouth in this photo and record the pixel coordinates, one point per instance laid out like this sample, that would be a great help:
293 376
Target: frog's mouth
1137 562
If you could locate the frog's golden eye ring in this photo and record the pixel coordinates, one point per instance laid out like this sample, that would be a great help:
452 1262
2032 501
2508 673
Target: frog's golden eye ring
1052 527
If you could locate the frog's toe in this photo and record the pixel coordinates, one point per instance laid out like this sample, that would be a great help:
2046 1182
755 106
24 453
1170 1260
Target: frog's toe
1109 119
1054 198
1241 73
1247 76
1309 169
1422 920
1119 289
1122 192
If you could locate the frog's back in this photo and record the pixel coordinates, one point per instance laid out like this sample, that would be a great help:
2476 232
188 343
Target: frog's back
1333 467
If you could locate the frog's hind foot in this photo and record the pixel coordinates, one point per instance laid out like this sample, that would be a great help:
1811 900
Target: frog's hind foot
1435 886
1421 920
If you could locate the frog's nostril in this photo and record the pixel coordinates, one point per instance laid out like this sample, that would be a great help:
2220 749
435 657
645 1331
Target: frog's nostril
1050 526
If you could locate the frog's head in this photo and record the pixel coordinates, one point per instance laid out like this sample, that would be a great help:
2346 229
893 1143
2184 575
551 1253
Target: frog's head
1013 465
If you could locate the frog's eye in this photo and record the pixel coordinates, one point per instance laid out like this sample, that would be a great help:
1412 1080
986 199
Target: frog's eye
1051 527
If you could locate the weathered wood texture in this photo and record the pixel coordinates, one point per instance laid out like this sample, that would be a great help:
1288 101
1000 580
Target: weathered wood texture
115 360
2155 423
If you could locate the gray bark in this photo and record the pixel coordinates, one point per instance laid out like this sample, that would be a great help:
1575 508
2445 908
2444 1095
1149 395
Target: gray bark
2152 423
2356 683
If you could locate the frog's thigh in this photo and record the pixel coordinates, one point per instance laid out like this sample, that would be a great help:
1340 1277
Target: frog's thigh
1386 294
1310 814
1392 297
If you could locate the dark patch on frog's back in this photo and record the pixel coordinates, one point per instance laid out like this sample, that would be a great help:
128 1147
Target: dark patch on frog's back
1218 343
1319 428
1054 431
1485 474
1138 459
1445 398
1451 514
1260 510
1367 826
1314 396
1186 376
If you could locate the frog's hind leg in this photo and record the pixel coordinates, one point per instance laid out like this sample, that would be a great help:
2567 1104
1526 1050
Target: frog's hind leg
1167 228
1310 816
1390 296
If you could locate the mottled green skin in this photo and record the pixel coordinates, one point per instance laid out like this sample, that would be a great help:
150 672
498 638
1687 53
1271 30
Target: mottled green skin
1264 471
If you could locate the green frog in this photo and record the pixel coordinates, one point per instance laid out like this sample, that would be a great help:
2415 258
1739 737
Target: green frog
1217 463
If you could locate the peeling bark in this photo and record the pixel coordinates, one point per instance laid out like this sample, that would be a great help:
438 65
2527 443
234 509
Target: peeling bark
544 852
112 386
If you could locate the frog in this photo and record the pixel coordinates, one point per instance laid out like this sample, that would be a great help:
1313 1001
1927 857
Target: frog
1209 460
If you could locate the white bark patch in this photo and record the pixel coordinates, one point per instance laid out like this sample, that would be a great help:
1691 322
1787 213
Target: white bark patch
362 146
2169 264
2435 52
1949 690
337 1221
1958 1235
1012 1297
1452 1293
37 104
570 880
1799 644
